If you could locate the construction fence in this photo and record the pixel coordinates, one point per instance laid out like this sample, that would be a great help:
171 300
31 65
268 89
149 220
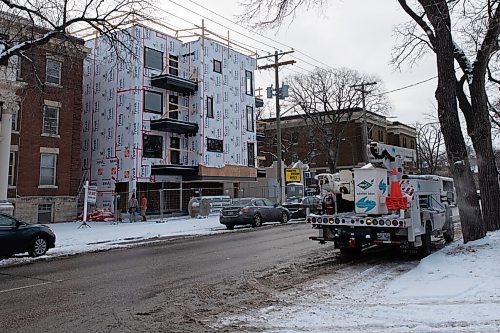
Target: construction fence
168 202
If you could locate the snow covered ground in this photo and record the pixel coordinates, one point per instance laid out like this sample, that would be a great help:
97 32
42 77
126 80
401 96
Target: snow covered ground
456 289
104 235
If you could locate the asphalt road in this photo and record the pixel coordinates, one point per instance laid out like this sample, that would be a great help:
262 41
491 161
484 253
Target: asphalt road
168 287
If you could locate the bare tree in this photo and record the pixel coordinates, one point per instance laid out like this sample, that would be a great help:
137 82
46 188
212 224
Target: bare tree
327 101
480 32
430 147
434 19
26 24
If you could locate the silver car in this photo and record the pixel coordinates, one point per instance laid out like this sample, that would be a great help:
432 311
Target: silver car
254 211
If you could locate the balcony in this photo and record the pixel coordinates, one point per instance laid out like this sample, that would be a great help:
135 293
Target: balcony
174 83
174 170
174 126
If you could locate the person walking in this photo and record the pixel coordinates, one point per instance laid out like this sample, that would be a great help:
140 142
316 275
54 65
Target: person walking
132 207
144 207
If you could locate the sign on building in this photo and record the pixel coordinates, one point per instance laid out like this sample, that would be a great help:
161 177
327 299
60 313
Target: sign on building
293 175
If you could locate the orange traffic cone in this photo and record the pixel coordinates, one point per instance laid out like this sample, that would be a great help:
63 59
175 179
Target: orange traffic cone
396 200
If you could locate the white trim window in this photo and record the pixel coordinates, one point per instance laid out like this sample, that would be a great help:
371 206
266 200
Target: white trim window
250 126
15 121
48 169
53 71
12 169
50 120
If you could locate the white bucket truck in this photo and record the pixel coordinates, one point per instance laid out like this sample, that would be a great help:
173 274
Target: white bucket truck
390 208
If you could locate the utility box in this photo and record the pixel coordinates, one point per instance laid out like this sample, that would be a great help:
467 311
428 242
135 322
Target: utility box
371 189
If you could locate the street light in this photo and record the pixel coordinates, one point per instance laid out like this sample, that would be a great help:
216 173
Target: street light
352 149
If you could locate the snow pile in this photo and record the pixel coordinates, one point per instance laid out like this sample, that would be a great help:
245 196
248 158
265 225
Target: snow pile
456 289
70 239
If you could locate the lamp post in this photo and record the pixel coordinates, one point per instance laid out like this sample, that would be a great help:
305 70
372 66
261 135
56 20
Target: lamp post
352 149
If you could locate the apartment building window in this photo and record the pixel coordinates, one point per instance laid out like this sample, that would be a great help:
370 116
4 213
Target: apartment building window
214 145
173 106
249 83
210 107
152 146
175 154
15 122
12 169
251 154
50 120
153 59
412 144
44 213
250 126
173 65
153 101
217 66
53 71
404 143
380 136
48 169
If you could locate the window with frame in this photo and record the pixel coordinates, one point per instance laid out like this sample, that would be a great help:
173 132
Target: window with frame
210 107
217 66
15 122
173 65
45 213
50 120
12 169
175 154
152 146
173 106
153 59
48 169
251 154
250 126
249 83
153 101
214 145
404 142
53 71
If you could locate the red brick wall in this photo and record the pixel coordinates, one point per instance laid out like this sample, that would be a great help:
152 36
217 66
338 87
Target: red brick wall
30 140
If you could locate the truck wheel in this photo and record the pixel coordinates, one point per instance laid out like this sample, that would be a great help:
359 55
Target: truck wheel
257 221
425 248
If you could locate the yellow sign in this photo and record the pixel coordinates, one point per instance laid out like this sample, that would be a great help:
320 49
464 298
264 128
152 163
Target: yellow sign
293 175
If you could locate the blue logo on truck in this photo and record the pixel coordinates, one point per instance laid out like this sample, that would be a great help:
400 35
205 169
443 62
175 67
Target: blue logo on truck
366 204
382 186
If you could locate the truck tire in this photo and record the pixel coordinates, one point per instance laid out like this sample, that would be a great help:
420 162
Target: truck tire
426 247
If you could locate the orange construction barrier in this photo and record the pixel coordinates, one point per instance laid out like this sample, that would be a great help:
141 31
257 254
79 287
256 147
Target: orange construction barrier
396 200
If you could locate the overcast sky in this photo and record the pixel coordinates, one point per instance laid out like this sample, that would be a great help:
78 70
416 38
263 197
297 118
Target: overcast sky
357 34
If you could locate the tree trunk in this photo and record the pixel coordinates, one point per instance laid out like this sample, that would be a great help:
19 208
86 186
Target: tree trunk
470 214
332 161
481 140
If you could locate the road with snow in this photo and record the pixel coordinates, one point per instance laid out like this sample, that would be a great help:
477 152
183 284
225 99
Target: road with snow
169 286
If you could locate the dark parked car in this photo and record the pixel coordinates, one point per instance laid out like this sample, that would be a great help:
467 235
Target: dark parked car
254 211
20 237
297 206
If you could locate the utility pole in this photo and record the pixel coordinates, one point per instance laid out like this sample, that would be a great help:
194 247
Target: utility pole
364 129
276 66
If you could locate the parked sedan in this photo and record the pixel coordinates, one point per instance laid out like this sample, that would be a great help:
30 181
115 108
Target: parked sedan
20 237
297 206
254 211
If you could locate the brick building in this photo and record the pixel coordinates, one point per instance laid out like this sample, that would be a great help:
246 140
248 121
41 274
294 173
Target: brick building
44 162
298 140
